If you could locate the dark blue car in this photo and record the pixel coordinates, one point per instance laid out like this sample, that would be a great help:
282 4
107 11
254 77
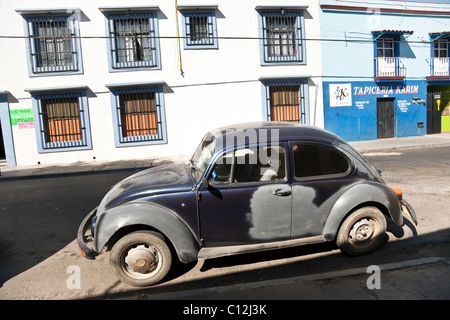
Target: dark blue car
248 187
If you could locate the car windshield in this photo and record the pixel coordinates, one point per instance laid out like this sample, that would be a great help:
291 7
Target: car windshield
203 154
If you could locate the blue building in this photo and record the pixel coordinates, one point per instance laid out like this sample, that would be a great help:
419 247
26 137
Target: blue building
385 67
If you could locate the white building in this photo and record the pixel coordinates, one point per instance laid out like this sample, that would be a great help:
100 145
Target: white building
107 80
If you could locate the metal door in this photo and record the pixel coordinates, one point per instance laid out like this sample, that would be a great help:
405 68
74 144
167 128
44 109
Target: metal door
434 111
385 118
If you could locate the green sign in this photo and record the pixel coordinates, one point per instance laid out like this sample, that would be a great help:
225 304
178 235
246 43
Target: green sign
21 115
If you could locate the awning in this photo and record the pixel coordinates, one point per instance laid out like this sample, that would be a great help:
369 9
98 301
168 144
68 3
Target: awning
437 35
378 33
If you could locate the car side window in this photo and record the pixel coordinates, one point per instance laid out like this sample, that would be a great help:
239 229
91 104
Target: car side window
248 165
314 160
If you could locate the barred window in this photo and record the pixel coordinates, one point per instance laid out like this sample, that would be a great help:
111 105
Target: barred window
133 40
139 115
63 121
54 44
199 29
286 101
282 36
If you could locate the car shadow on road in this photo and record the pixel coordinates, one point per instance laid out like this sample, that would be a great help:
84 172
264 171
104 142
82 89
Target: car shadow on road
289 262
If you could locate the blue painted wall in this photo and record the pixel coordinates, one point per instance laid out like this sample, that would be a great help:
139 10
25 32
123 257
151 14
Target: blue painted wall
358 121
349 59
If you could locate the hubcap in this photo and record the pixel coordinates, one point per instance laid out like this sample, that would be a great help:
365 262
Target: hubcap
362 231
142 259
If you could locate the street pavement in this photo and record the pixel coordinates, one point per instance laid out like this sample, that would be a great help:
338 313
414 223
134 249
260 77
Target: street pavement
420 279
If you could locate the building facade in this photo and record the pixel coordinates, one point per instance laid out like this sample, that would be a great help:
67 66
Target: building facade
105 80
385 67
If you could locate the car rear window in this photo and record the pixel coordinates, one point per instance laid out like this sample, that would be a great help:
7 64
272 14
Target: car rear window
313 160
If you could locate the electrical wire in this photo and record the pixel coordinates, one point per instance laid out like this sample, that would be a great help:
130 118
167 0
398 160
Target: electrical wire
219 38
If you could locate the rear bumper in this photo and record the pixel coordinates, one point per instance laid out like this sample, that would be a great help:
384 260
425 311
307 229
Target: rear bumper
406 207
84 236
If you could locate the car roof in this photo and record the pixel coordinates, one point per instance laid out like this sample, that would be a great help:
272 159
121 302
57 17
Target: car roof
286 131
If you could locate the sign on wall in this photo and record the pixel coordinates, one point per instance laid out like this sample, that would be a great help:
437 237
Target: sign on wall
340 94
22 118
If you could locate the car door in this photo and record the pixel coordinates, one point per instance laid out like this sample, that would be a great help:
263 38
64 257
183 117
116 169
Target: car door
320 175
248 198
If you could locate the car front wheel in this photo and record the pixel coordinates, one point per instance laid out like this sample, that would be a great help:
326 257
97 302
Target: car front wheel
362 231
141 258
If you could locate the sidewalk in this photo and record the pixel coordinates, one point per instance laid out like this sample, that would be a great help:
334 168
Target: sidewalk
419 279
96 166
390 144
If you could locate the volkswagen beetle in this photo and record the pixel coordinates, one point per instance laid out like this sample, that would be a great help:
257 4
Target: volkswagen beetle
247 187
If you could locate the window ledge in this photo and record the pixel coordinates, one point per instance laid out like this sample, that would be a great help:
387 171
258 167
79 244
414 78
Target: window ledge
68 88
133 8
47 11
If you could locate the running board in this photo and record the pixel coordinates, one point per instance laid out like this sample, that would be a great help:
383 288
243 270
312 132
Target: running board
216 252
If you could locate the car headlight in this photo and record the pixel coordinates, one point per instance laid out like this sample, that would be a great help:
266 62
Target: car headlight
94 221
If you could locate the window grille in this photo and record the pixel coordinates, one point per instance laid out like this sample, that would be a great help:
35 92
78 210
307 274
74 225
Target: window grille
200 28
286 103
139 115
63 121
282 36
133 41
53 44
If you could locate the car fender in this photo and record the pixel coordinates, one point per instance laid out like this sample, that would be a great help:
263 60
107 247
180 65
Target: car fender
370 193
155 216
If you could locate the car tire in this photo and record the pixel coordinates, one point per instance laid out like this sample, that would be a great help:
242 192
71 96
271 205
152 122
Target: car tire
141 258
362 231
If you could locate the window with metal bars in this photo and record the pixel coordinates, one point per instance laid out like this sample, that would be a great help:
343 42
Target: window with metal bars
63 121
282 36
286 101
199 29
133 40
139 115
54 44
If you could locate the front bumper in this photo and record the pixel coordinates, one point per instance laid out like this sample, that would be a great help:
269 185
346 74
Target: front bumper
406 207
84 236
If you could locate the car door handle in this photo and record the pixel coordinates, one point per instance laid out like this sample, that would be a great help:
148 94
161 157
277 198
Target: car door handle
282 193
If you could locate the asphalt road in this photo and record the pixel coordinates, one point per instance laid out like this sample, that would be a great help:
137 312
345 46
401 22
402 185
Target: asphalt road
39 218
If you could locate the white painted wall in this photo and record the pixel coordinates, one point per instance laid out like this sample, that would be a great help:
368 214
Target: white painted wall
219 87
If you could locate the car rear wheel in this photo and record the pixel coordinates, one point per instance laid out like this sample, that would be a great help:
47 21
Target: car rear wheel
141 258
362 231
